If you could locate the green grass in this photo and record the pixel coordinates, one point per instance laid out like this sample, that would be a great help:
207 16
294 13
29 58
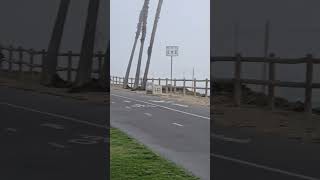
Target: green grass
131 160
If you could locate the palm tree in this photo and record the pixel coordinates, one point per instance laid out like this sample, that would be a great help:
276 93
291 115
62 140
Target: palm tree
86 55
51 59
143 36
126 79
145 77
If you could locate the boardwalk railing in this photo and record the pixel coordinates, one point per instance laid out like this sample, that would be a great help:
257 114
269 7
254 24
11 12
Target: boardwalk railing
181 86
271 82
30 60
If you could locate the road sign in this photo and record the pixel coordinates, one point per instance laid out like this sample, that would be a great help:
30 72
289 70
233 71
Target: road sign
172 50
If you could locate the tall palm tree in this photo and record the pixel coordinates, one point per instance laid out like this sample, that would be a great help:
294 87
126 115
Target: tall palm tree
51 59
156 20
86 55
126 78
143 37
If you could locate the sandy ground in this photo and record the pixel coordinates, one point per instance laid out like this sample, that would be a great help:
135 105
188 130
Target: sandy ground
293 125
32 84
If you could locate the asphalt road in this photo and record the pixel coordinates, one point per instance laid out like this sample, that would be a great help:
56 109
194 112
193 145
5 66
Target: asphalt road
244 154
48 137
179 132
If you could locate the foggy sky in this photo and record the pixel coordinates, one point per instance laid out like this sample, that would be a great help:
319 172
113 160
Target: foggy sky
29 24
185 23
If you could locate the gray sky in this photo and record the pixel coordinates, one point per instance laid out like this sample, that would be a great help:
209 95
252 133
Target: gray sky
185 23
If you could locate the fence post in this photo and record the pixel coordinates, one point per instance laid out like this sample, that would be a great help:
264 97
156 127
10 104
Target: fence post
166 85
100 59
43 52
1 52
237 80
175 86
113 82
159 81
308 88
131 82
271 81
184 86
31 56
10 59
116 80
206 90
195 87
152 81
69 66
20 50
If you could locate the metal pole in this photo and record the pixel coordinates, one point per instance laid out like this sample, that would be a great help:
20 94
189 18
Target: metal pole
266 49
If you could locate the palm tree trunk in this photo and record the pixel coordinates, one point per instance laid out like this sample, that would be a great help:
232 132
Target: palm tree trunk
156 20
126 78
143 36
51 59
86 55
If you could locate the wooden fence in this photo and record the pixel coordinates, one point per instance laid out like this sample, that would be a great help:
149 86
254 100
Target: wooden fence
32 59
271 82
179 85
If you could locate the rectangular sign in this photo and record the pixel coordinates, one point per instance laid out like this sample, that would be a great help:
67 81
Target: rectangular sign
172 50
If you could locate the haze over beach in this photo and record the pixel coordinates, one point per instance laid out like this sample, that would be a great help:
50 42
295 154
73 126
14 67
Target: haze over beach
176 27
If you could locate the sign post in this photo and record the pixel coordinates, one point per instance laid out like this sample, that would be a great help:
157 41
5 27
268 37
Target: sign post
172 51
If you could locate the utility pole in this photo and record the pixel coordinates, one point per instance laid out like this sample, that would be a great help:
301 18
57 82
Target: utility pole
143 36
126 79
156 20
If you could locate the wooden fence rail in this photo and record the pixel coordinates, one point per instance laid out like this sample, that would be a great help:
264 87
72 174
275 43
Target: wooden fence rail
27 58
174 88
271 82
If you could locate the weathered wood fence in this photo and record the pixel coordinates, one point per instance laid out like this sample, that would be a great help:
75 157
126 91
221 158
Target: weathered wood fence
32 59
271 82
181 86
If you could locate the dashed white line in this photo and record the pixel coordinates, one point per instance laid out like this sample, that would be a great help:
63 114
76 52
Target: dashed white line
177 124
127 101
156 101
164 107
56 145
181 105
148 114
54 126
235 140
11 130
263 167
128 107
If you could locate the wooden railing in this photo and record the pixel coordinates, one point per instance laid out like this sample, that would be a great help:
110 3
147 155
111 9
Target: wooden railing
181 86
271 82
33 60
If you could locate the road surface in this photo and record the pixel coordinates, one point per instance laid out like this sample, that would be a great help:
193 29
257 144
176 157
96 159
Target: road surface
48 137
179 132
243 153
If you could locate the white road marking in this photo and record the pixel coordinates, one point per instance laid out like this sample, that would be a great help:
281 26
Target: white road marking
148 114
56 145
181 105
11 130
155 101
54 126
54 115
164 107
127 101
177 124
263 167
235 140
128 107
112 102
